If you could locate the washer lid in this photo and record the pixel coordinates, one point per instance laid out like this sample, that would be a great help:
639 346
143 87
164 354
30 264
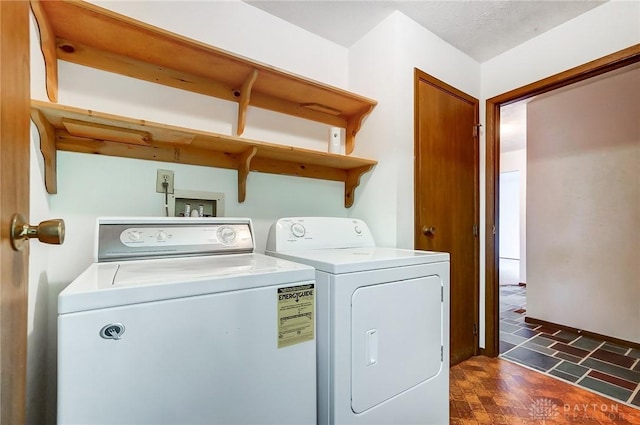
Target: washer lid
349 260
114 284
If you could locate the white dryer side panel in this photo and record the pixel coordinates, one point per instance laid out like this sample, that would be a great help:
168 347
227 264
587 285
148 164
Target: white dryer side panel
396 331
211 359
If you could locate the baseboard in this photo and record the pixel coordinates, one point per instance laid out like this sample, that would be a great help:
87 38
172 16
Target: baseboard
522 284
582 332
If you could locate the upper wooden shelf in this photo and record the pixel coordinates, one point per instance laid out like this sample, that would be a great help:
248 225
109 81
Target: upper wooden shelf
79 130
88 35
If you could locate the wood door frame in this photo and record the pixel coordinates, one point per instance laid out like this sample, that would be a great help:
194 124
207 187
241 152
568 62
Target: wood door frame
421 75
591 69
14 198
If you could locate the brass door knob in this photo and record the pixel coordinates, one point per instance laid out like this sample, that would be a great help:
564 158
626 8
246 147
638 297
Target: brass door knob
428 231
48 231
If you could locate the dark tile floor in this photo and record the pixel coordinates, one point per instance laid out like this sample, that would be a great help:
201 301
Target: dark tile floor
602 367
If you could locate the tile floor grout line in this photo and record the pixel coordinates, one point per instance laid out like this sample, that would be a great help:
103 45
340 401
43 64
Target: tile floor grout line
606 373
606 382
630 369
554 367
634 394
590 353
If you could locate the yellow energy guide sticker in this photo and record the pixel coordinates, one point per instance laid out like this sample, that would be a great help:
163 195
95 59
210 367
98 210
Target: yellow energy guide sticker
295 315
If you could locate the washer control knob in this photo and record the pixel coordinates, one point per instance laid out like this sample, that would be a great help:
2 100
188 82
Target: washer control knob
227 235
161 235
298 230
358 230
134 236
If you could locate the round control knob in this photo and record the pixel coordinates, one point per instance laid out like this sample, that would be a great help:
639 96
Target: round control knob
358 230
298 230
161 235
134 236
227 235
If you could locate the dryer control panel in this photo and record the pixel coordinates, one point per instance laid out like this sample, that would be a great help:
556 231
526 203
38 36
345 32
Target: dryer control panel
298 233
139 238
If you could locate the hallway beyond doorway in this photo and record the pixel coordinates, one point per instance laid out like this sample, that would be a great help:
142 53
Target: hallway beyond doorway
602 367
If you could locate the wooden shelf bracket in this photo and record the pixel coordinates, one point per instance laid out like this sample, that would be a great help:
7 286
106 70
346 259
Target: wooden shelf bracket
353 126
48 47
245 98
48 149
352 181
244 167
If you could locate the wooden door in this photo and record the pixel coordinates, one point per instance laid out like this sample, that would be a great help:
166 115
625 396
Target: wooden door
446 197
14 197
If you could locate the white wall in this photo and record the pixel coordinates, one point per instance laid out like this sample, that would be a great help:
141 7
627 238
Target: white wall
510 215
381 65
38 295
583 208
603 30
517 161
244 30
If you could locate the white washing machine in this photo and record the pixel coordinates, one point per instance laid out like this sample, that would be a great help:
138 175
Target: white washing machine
383 323
179 322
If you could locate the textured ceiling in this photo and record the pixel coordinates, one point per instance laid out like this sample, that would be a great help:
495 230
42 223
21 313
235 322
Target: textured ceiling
482 29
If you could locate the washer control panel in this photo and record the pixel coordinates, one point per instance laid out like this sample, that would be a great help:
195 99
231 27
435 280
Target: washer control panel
297 233
135 238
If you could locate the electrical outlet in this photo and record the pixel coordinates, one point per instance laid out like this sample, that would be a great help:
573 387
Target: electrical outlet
164 176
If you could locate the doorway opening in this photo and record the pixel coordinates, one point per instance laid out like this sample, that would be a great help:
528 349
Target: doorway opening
579 138
595 68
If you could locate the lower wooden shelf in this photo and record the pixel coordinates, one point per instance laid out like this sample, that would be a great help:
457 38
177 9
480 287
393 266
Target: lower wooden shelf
78 130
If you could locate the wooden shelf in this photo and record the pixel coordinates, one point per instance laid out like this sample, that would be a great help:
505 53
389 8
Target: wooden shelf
88 35
78 130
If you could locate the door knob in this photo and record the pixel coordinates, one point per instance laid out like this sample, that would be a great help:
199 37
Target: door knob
48 231
428 231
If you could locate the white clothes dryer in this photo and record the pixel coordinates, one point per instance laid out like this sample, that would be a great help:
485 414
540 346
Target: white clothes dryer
179 322
383 323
